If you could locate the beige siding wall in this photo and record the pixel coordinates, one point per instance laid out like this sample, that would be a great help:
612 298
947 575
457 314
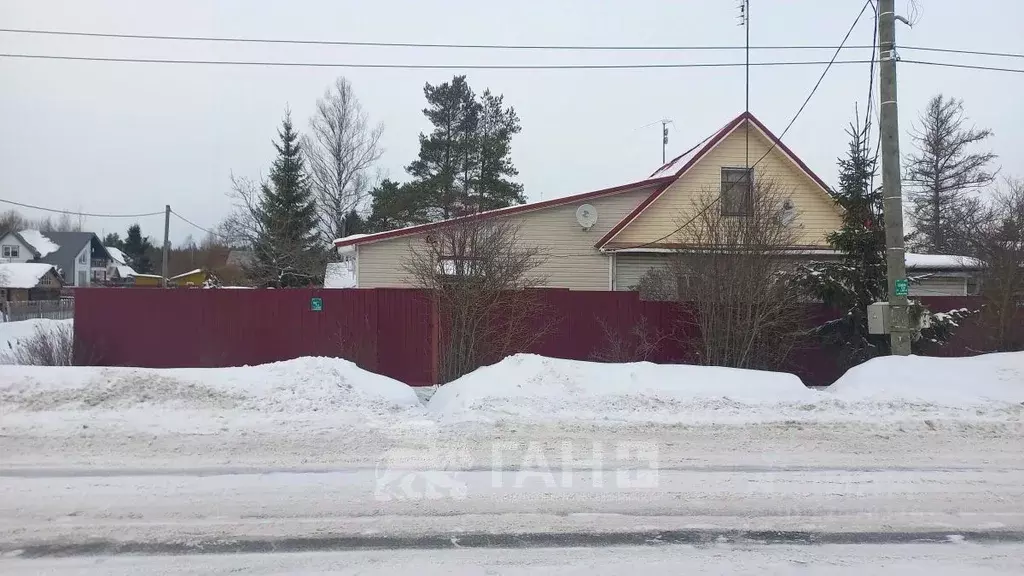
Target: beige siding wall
572 261
816 213
939 286
630 267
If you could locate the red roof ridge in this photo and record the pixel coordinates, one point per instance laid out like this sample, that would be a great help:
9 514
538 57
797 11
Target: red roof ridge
529 207
709 144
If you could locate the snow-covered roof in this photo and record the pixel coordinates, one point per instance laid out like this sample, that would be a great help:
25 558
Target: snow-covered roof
340 275
116 255
39 242
189 273
23 275
125 271
941 262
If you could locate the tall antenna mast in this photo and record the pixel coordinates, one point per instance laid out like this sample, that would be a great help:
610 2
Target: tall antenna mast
664 138
745 22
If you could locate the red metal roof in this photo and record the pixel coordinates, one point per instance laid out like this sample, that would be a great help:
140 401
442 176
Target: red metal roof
362 239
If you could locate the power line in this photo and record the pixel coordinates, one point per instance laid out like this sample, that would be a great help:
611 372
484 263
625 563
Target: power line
430 66
967 66
73 213
779 139
405 44
193 224
584 47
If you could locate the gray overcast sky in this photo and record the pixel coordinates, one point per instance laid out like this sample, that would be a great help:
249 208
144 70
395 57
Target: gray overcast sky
127 137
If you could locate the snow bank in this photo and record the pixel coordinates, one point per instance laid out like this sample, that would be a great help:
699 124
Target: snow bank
536 387
11 333
340 275
300 386
954 382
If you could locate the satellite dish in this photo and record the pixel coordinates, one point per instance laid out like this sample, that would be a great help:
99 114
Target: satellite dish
586 215
787 214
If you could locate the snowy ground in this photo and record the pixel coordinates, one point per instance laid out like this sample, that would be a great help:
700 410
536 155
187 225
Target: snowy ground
317 455
828 560
13 332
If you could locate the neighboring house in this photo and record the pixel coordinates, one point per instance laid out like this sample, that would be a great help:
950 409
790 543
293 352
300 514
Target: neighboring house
79 257
942 275
118 270
634 226
147 280
195 277
23 281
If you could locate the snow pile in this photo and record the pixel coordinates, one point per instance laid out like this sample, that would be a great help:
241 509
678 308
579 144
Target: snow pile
990 379
22 275
12 333
43 245
535 387
300 386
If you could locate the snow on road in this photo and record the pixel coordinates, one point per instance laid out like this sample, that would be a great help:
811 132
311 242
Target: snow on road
827 560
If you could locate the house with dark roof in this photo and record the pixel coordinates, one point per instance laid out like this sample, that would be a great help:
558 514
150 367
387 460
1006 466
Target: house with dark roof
608 239
79 257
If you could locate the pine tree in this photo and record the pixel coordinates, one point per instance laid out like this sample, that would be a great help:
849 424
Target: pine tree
445 168
136 249
942 177
497 125
113 239
394 206
286 251
465 164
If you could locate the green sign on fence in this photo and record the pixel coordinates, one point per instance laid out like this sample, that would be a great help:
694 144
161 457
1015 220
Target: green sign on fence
316 304
902 287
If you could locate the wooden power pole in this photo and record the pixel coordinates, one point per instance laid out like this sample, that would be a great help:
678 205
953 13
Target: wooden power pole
167 243
891 190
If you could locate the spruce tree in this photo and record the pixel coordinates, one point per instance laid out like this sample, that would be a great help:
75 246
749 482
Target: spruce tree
859 277
287 252
136 249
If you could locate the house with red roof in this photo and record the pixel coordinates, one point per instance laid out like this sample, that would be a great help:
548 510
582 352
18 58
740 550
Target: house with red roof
608 239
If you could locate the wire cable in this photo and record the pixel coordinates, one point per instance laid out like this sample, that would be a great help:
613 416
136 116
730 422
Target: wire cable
404 44
427 66
197 226
779 139
617 48
74 213
967 66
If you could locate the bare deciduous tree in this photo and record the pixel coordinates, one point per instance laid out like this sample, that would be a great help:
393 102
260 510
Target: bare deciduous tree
999 244
340 149
733 268
480 273
639 345
942 176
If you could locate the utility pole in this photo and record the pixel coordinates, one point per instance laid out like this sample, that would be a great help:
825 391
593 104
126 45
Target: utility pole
892 206
167 243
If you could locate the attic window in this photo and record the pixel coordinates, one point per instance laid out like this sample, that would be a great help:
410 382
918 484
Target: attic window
11 251
737 192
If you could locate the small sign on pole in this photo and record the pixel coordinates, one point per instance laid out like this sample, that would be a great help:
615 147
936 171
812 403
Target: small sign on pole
316 304
902 287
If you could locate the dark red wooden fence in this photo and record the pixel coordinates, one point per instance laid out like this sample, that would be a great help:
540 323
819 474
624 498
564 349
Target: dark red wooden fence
390 331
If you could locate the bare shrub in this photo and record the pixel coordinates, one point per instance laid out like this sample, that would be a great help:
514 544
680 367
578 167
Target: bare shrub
47 346
480 273
639 345
732 268
999 244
